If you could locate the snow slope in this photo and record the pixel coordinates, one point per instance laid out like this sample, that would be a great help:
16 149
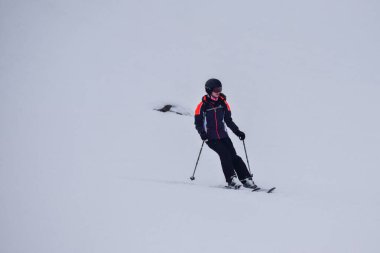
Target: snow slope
87 165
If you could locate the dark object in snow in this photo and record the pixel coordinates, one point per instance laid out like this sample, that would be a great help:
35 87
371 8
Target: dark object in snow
166 108
172 108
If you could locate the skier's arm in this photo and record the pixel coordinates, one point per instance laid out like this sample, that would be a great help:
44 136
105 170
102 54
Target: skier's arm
199 119
228 119
231 124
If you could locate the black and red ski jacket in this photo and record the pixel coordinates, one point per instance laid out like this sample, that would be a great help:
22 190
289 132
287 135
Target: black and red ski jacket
211 117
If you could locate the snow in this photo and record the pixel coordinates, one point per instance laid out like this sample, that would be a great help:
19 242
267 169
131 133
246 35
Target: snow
88 165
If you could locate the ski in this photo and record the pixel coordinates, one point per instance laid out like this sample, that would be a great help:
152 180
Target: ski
237 187
258 189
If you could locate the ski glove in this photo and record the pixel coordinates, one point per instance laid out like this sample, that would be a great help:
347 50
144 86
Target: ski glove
203 136
241 135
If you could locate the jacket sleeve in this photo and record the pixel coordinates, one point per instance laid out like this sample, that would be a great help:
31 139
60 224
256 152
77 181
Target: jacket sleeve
199 118
228 118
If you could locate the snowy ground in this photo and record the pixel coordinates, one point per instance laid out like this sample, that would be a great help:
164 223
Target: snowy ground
87 165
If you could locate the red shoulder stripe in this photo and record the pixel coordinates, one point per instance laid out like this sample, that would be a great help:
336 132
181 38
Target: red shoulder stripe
198 109
228 106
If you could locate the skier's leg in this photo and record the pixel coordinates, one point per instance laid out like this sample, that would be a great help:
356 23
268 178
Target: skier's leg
238 163
240 168
225 158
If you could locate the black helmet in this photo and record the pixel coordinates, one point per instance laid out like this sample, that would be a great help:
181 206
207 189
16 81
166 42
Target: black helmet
211 84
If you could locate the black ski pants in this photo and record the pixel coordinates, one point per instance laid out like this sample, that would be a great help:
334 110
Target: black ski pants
230 161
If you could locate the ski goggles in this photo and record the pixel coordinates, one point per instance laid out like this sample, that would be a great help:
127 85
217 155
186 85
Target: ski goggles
217 90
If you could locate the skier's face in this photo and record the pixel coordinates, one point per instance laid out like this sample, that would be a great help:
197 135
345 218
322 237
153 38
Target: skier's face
215 93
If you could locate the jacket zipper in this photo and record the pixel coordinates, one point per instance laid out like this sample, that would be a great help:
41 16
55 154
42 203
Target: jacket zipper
216 125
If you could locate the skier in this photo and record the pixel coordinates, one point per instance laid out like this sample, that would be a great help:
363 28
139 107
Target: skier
211 116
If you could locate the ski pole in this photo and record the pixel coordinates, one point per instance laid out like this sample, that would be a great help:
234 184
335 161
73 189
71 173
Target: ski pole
192 177
245 149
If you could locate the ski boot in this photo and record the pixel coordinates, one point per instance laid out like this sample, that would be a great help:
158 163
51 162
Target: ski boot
234 183
248 183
